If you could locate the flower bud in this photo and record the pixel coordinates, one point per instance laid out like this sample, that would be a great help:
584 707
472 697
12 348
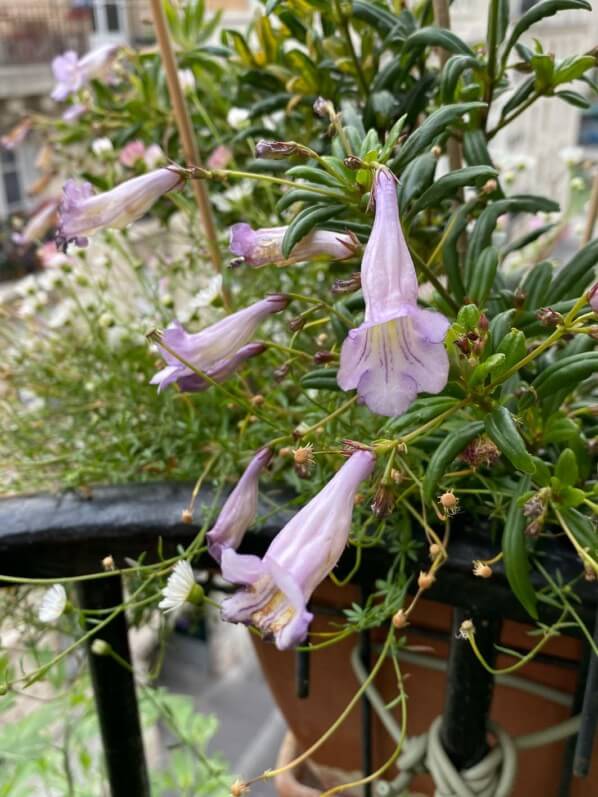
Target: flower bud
480 451
349 285
425 580
238 789
481 569
280 372
399 620
383 502
436 151
489 186
296 324
187 517
354 163
321 357
466 629
449 502
277 150
434 550
323 107
549 317
108 563
593 297
99 647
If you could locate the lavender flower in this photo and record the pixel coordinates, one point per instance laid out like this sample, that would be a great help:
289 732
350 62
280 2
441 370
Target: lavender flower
72 73
82 212
398 351
593 297
299 558
74 111
217 350
239 510
38 225
258 247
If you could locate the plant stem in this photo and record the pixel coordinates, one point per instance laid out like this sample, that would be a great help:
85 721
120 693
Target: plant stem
423 267
183 122
269 178
508 119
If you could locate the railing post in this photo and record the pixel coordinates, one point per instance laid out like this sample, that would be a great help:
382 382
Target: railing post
115 696
468 693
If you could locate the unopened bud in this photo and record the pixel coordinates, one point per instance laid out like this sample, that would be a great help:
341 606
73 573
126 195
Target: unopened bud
489 186
323 107
589 573
280 373
321 357
285 452
99 647
449 502
108 563
187 516
384 501
257 400
396 476
534 529
425 580
463 345
295 324
466 629
434 550
349 285
481 569
399 620
354 163
321 338
359 499
303 454
549 317
238 789
483 323
276 150
436 151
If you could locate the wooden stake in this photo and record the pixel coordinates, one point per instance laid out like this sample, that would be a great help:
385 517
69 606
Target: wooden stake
185 128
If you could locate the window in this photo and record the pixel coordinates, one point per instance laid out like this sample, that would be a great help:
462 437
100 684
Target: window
588 127
11 181
106 17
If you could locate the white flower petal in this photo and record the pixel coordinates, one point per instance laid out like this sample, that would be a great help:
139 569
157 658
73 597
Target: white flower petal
52 604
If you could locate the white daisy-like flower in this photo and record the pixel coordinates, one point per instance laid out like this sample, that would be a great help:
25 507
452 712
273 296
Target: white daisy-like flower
179 587
53 604
236 117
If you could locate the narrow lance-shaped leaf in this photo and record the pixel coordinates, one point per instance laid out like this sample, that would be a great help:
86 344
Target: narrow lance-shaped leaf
515 556
501 429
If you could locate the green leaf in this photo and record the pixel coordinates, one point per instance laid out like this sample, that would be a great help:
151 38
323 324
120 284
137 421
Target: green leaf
536 285
304 222
498 21
582 529
514 550
567 372
438 37
482 276
571 496
449 448
576 275
572 68
484 369
475 148
421 411
315 176
566 469
433 126
543 66
573 98
501 429
448 186
514 348
469 316
451 72
519 96
416 178
321 379
546 8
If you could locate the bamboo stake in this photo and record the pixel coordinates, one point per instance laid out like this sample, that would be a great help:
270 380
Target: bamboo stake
183 123
592 213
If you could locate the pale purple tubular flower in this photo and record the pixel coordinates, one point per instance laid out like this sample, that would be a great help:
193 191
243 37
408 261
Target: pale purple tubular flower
82 212
38 225
399 350
302 554
259 247
239 509
593 297
74 111
219 372
218 350
72 73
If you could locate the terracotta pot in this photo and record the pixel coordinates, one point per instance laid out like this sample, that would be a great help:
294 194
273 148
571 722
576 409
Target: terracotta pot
333 683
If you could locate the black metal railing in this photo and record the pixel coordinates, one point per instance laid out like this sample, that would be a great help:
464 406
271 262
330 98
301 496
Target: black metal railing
66 535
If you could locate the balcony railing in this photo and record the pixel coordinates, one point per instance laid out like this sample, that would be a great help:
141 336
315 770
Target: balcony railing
51 536
33 33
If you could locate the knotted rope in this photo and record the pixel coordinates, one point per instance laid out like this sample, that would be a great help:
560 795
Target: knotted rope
493 776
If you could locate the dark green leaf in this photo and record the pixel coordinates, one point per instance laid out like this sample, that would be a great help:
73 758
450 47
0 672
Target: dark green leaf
515 557
501 429
304 222
448 186
576 275
449 448
546 8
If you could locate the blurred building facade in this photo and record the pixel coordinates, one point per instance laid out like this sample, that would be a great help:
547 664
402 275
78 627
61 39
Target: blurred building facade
32 33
